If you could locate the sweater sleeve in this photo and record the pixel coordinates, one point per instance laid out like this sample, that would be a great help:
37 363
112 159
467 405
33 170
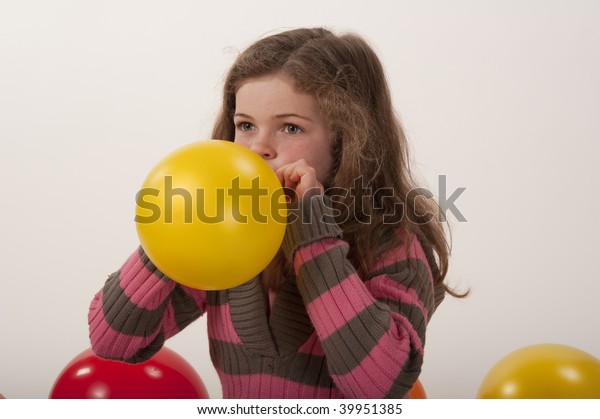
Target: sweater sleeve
138 309
372 330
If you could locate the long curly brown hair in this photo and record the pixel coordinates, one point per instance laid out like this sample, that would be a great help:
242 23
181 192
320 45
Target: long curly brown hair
370 147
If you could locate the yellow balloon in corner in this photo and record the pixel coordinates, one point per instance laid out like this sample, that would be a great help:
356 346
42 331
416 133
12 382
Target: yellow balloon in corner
211 215
543 371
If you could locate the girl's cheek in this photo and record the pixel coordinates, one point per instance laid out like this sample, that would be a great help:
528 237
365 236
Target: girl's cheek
240 141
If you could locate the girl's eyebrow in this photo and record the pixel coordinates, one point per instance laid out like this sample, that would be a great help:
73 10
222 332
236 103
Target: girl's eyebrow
295 115
279 116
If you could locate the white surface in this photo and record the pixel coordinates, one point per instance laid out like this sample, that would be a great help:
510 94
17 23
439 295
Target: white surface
501 97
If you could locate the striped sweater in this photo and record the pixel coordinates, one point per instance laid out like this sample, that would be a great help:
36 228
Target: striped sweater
327 334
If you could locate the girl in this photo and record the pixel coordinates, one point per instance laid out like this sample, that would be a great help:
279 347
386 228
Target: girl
341 311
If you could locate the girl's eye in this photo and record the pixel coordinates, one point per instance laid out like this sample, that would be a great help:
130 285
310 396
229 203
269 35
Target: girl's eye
245 126
292 129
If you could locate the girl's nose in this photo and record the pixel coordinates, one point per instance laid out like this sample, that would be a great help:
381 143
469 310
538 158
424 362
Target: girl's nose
263 146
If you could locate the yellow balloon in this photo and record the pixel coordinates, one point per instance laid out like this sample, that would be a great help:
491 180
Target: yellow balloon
211 215
543 371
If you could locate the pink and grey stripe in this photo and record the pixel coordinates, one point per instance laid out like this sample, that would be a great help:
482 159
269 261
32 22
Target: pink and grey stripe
328 334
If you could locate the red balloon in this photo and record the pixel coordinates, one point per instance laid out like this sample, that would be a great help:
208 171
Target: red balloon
166 375
417 391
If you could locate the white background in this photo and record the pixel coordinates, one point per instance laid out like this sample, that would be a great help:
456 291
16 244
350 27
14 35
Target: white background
502 97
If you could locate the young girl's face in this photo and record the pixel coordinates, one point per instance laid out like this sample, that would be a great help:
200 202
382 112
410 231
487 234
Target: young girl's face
282 125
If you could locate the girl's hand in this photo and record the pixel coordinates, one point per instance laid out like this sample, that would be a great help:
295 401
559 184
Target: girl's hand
301 179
